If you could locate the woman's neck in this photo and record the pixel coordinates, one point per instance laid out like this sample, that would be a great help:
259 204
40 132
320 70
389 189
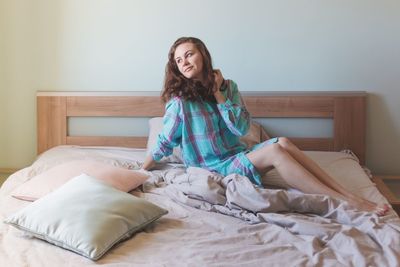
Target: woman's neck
202 80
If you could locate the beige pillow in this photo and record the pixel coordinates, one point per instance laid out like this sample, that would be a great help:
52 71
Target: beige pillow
342 167
264 135
255 135
155 128
46 182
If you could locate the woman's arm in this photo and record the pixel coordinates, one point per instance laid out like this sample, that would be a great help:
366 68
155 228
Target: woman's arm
232 108
149 163
219 82
171 134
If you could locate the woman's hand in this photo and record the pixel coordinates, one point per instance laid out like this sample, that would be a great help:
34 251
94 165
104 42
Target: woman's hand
219 79
149 163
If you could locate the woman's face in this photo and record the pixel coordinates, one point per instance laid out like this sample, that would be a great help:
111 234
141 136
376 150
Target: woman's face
189 61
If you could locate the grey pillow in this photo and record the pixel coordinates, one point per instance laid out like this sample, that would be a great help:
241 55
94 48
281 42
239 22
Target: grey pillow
86 216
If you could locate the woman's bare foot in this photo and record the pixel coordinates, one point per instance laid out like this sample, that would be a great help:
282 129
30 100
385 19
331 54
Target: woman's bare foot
382 209
369 206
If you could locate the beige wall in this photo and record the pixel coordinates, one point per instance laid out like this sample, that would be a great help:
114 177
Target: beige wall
2 85
17 101
264 45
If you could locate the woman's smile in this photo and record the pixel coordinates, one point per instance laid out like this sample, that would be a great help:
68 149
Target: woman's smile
189 69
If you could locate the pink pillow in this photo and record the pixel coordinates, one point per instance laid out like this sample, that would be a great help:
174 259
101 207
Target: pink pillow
46 182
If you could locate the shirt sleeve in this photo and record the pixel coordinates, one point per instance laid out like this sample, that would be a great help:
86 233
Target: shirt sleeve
234 111
171 135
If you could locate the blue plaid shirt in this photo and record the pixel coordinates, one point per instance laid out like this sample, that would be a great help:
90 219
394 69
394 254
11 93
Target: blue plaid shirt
207 132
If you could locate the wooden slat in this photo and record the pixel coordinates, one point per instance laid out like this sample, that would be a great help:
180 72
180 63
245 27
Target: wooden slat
349 125
318 144
315 144
51 121
120 141
290 106
348 112
132 106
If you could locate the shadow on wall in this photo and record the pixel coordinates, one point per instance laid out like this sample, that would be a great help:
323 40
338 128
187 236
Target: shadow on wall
382 157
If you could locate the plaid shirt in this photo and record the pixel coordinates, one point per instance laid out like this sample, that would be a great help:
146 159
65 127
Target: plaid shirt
207 132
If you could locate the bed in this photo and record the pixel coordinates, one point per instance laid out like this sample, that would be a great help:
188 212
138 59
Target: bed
207 219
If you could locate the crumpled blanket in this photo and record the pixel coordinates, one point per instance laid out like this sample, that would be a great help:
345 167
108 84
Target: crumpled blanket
235 195
329 220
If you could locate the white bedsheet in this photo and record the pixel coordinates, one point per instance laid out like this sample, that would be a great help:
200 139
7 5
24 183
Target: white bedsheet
189 236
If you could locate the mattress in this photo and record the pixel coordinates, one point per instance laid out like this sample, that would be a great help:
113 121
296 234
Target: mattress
195 232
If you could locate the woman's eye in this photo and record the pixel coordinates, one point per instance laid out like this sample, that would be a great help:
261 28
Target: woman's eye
179 61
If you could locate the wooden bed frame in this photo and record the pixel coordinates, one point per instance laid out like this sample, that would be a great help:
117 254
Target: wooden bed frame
347 109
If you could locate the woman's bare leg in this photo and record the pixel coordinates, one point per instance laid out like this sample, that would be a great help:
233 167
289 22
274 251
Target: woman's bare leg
302 173
313 167
324 177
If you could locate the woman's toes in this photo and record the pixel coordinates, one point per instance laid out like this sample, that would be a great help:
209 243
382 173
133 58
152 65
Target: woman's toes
382 210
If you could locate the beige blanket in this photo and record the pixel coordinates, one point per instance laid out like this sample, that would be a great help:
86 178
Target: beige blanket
332 226
217 221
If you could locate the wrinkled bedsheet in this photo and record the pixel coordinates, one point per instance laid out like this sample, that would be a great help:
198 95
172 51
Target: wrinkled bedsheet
219 221
331 225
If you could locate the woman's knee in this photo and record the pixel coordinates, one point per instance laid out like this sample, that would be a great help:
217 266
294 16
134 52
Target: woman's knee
275 150
267 156
285 142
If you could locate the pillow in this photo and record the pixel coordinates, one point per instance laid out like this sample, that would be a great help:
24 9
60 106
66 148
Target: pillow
155 128
123 157
86 216
46 182
263 134
255 135
343 167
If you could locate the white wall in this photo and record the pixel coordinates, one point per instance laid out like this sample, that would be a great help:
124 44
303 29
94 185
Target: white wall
261 44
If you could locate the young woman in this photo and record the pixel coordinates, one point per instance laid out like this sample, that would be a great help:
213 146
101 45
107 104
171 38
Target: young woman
205 115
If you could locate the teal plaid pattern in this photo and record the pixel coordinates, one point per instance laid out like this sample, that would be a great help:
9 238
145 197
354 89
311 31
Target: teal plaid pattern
208 134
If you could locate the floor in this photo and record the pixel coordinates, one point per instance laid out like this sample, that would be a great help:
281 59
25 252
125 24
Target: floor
3 177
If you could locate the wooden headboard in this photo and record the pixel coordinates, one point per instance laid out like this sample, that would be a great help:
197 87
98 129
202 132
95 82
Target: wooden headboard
347 109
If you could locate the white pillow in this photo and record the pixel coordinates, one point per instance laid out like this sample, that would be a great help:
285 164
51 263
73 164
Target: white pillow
86 216
342 167
155 128
255 135
46 182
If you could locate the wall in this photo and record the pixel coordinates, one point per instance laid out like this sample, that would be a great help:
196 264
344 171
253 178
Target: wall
2 85
104 45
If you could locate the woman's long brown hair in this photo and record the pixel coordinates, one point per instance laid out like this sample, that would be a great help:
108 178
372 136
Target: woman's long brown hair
175 84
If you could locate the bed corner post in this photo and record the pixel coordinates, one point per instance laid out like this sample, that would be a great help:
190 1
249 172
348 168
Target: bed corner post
350 124
51 122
